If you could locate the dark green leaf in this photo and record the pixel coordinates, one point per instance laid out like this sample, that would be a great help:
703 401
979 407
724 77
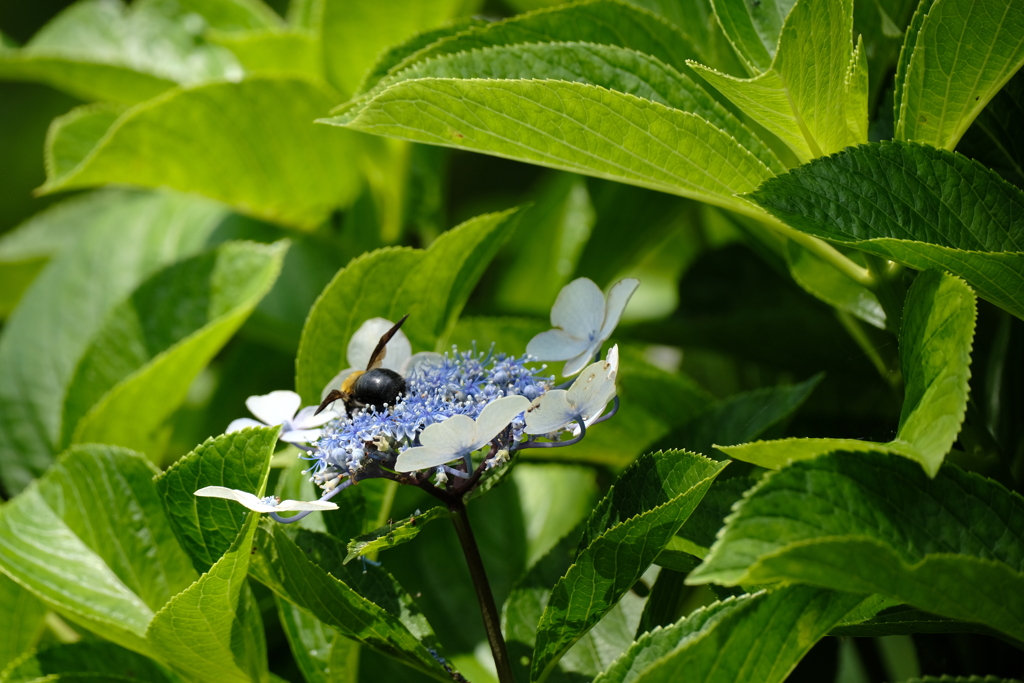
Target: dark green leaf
125 237
625 533
321 653
91 661
365 603
913 204
23 618
206 527
994 138
875 523
431 286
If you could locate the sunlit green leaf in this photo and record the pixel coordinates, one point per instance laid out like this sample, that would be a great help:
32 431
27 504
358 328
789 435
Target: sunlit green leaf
625 533
212 632
608 66
206 527
274 51
754 29
102 50
569 126
234 15
758 637
430 285
803 98
73 135
956 56
248 144
916 205
875 523
91 541
124 238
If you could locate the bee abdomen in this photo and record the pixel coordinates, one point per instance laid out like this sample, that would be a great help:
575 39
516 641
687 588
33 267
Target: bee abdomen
378 387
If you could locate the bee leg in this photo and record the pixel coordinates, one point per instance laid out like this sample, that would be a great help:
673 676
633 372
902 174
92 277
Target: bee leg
331 398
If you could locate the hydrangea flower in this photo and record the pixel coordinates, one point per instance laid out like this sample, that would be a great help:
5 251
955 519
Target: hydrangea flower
460 435
268 504
279 408
584 320
585 400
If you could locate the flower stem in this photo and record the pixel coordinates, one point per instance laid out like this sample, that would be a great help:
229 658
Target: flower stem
489 611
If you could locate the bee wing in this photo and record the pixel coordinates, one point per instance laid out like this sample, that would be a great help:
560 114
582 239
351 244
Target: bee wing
381 350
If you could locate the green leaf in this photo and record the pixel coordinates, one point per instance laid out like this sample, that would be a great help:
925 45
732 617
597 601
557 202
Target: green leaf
24 618
898 619
568 126
91 541
274 51
212 632
355 33
320 652
759 637
72 136
364 604
390 535
555 499
995 139
916 205
833 287
935 360
397 54
431 286
270 162
206 527
234 15
609 66
875 523
141 362
754 29
602 22
124 238
804 98
102 50
87 661
935 356
627 530
956 56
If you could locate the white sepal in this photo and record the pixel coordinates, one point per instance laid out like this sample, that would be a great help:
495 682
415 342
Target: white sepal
256 504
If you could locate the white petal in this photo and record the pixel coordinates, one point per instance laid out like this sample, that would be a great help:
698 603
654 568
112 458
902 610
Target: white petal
307 420
579 308
497 415
294 505
595 387
242 423
364 341
574 365
418 359
274 408
247 499
557 345
618 297
550 413
335 383
301 435
421 458
454 436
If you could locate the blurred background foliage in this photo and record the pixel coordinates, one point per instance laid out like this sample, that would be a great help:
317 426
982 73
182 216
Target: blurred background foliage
718 315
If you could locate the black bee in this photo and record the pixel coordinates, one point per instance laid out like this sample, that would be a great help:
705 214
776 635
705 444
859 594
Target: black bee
374 387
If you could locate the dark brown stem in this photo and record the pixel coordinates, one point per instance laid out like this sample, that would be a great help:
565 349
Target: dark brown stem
489 610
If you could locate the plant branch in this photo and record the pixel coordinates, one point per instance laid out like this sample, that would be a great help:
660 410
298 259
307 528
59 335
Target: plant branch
488 609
